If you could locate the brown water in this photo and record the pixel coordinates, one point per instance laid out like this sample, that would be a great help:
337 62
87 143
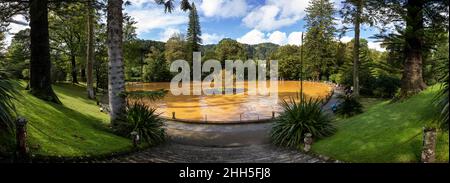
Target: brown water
236 107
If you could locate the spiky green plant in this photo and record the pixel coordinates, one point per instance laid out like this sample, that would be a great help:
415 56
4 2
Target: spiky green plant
442 99
349 106
7 110
143 120
299 118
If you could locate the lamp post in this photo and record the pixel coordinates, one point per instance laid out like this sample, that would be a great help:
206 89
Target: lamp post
142 64
301 69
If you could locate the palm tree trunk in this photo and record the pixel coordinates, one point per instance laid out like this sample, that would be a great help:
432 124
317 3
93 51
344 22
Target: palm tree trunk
40 64
90 52
412 79
116 79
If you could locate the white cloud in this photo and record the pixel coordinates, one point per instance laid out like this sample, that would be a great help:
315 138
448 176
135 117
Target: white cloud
295 38
149 19
14 28
376 46
168 33
255 37
276 14
278 37
223 8
346 39
211 38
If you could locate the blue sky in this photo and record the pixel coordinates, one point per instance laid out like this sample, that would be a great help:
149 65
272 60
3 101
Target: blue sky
248 21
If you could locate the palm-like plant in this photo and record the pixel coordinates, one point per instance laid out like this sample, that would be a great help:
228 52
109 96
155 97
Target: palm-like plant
349 106
442 99
7 110
143 120
299 118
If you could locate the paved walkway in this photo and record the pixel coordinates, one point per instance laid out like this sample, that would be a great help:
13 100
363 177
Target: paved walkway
179 153
227 143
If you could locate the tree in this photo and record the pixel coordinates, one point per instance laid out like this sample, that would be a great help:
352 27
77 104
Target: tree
175 48
116 78
67 27
40 65
193 33
229 49
156 68
17 57
288 61
416 25
2 42
356 12
90 50
319 37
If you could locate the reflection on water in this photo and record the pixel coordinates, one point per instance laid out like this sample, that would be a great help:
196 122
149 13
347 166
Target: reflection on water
228 107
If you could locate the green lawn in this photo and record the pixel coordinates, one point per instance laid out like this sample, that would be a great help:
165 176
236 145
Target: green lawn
76 128
385 132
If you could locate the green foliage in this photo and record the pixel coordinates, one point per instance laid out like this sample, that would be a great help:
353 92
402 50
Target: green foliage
319 44
229 49
17 57
386 132
288 62
299 118
194 33
143 120
157 69
441 98
7 109
336 78
377 76
349 106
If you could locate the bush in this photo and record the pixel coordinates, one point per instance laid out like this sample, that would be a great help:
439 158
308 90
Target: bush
349 106
299 118
143 120
386 86
337 78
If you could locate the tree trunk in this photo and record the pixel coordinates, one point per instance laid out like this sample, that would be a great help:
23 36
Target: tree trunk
74 69
356 47
90 52
116 79
412 80
83 74
40 64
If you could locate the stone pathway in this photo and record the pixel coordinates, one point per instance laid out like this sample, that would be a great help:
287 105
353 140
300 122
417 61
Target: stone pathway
179 153
224 143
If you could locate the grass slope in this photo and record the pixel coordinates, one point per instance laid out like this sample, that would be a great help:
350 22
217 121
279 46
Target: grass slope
385 132
76 128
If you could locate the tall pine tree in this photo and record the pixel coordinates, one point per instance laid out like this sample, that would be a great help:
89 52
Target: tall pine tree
417 24
194 32
319 37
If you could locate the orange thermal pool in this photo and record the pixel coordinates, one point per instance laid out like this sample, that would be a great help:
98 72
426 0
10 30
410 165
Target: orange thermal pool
228 108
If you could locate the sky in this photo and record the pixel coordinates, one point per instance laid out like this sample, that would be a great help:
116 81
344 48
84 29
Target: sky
247 21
